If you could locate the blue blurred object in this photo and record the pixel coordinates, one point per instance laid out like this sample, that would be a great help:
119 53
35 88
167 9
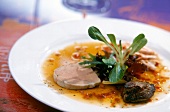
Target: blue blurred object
90 6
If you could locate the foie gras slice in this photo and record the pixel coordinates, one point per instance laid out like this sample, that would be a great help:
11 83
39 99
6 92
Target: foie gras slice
75 76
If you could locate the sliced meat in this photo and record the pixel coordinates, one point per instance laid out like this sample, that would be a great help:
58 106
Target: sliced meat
75 76
136 91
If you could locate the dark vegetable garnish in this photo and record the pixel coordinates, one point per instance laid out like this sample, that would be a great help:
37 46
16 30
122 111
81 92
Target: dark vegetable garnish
100 64
135 91
135 67
114 67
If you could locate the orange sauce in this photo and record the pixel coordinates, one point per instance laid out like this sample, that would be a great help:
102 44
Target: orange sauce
103 95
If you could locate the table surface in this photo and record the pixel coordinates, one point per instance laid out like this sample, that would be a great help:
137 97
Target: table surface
17 17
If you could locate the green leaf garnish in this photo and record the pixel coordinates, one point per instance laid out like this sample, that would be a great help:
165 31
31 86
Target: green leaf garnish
117 73
109 61
119 69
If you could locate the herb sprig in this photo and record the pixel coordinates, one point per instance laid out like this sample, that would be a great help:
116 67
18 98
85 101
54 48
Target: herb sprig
119 69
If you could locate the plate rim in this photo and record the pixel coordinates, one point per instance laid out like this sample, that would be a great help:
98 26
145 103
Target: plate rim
53 23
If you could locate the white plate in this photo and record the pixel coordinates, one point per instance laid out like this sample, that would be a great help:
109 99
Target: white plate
29 52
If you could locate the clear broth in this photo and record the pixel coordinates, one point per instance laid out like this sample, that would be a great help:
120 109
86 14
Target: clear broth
103 95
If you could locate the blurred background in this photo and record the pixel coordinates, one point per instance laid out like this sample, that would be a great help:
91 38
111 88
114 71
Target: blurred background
17 17
39 12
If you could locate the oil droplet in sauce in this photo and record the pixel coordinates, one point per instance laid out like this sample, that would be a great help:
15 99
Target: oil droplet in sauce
103 95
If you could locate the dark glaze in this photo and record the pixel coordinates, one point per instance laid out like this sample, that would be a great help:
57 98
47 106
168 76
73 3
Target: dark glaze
103 95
